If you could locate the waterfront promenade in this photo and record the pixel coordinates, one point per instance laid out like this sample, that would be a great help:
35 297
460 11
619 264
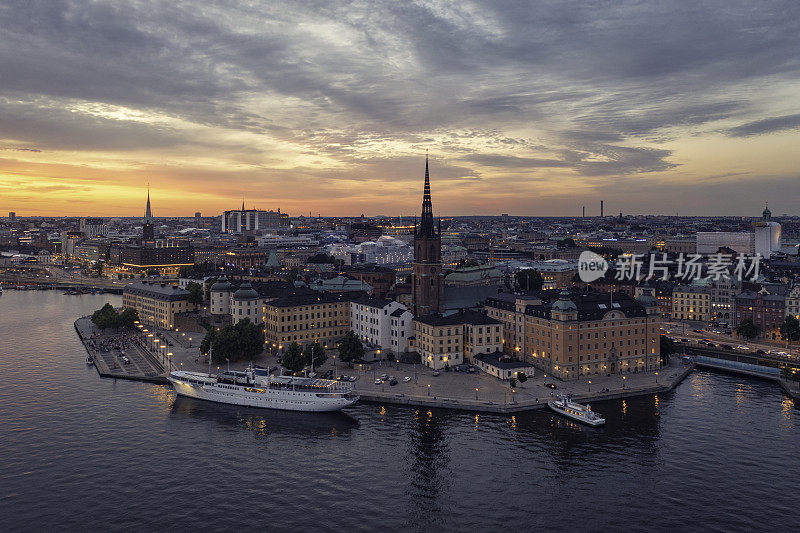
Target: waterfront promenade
454 390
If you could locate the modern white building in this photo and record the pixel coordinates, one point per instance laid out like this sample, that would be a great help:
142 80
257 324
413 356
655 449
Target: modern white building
380 322
767 235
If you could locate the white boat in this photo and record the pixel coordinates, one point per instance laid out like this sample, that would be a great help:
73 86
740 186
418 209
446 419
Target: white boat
256 388
582 413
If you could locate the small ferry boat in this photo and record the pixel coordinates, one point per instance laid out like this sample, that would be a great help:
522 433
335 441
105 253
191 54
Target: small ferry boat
564 406
256 388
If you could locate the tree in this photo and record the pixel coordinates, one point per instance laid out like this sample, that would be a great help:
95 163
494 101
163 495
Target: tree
251 339
667 347
105 317
152 272
512 382
314 355
351 348
529 279
790 329
292 275
747 329
225 345
521 377
292 358
195 293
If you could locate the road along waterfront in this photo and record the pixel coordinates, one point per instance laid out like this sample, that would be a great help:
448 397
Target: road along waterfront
81 452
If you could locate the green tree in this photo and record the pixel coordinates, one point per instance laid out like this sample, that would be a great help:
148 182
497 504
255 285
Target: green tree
512 382
250 339
522 377
195 293
292 275
667 347
747 329
292 358
314 353
790 329
529 279
152 272
351 349
127 318
105 317
225 345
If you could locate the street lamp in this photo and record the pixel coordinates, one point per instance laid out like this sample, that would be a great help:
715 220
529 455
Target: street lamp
476 393
656 377
513 398
429 389
623 382
590 385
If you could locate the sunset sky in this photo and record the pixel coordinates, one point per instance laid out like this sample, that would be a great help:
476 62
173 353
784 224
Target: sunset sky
526 108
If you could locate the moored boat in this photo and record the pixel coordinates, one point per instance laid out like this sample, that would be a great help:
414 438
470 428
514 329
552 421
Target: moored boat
582 413
256 388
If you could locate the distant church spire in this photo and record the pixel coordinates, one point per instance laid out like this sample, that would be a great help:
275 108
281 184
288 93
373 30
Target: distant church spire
148 215
242 204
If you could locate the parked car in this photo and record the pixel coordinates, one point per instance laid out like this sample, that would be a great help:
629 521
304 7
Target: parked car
384 377
351 378
435 372
393 382
378 381
406 379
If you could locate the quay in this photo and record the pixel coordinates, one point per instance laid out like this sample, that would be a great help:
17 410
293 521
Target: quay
531 395
106 350
477 392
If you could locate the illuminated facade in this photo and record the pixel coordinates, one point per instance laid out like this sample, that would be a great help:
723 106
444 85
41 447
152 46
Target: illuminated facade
577 334
157 304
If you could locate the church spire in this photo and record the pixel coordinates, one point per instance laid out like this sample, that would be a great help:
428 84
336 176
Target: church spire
148 215
426 227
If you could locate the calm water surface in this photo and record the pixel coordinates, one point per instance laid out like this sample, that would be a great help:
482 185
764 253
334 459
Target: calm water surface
720 453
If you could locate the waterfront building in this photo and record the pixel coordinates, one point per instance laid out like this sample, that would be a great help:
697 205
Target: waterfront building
427 277
582 333
723 299
767 309
449 340
691 302
502 366
306 318
381 323
793 301
156 303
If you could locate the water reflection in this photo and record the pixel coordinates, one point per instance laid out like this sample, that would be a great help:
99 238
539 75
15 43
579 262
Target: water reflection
428 459
264 422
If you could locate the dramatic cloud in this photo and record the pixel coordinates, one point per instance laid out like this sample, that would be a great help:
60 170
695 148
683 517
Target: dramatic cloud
530 108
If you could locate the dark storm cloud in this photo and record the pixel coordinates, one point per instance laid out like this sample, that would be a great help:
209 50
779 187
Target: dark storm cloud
767 125
338 78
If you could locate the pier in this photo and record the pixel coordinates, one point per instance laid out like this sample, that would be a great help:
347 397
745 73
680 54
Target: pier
107 350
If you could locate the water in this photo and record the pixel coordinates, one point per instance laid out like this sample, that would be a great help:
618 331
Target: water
720 453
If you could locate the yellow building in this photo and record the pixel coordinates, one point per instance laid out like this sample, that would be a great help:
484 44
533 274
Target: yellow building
588 334
691 303
306 318
450 340
156 303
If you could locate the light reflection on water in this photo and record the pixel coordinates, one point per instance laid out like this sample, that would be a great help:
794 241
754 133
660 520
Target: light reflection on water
672 461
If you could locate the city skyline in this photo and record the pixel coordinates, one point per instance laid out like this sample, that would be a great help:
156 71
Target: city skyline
531 111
